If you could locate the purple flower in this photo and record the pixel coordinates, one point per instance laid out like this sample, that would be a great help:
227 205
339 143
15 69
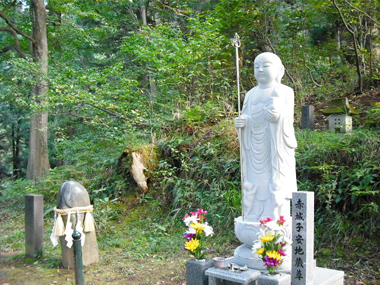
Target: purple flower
272 262
189 236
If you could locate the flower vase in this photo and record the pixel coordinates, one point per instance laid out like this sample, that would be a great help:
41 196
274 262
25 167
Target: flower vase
195 271
274 279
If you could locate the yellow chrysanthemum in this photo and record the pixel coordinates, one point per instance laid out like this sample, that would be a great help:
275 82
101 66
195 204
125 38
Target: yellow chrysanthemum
192 244
198 227
274 254
267 238
260 251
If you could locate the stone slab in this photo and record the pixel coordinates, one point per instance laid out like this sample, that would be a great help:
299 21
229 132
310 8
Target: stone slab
34 225
277 279
248 277
307 118
325 276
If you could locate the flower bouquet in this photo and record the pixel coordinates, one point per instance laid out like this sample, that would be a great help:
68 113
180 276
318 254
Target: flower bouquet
197 230
272 243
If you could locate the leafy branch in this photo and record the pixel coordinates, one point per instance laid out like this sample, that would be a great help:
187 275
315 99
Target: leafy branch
16 45
14 31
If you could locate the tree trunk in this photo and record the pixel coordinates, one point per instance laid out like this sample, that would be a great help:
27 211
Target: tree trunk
16 145
143 14
38 160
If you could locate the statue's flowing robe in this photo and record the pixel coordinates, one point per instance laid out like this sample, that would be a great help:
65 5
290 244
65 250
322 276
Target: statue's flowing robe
268 144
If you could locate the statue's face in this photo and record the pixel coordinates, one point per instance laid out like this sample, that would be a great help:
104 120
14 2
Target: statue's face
266 68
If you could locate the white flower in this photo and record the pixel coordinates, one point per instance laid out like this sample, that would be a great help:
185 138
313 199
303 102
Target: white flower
262 232
190 219
272 225
287 240
256 246
208 230
191 231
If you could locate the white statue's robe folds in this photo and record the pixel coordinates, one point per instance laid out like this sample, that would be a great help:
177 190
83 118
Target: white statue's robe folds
268 144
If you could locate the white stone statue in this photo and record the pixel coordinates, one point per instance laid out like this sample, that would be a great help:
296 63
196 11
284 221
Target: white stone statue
268 144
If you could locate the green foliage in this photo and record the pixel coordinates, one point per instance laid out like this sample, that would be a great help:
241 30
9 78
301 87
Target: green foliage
343 171
187 67
202 173
372 120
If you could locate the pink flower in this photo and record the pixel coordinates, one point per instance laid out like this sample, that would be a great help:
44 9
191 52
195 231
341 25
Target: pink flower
263 222
282 252
281 221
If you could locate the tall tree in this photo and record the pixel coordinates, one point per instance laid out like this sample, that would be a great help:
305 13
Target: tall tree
38 160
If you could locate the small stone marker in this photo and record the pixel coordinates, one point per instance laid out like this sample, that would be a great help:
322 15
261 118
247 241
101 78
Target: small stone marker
340 123
34 225
303 238
307 119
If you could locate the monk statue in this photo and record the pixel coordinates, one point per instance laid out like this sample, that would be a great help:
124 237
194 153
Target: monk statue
268 144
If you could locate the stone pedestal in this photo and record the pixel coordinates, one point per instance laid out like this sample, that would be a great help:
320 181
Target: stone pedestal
195 271
225 277
247 232
276 279
89 250
34 225
324 276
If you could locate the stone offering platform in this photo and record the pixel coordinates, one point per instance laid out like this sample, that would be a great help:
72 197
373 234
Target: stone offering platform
223 276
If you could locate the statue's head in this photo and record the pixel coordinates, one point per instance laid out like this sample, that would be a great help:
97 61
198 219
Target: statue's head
268 68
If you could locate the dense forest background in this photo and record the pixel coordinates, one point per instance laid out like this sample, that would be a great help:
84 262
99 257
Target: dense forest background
159 78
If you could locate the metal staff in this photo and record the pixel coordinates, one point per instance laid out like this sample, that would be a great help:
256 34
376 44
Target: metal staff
236 43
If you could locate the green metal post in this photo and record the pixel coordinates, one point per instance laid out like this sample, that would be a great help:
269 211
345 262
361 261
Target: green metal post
78 262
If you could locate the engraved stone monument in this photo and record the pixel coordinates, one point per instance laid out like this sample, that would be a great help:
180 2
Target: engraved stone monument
303 238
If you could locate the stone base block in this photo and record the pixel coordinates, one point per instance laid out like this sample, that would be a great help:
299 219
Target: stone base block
225 277
90 252
195 271
276 279
324 276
